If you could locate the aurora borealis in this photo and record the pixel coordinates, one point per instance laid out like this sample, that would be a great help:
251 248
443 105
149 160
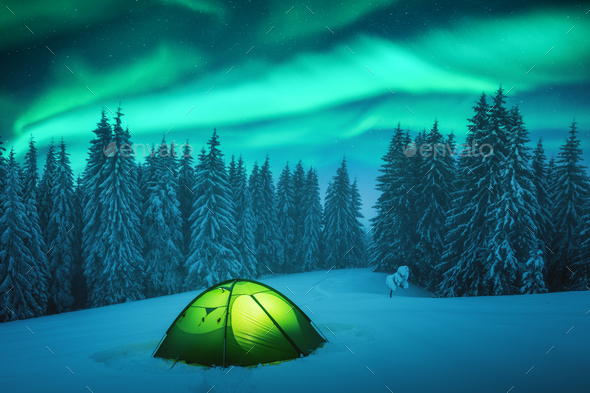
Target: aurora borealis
310 81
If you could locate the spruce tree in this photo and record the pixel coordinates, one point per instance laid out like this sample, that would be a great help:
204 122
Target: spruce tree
299 193
393 237
313 212
435 201
163 238
269 253
101 150
243 218
22 285
285 212
581 266
541 180
186 196
570 197
35 243
515 243
466 229
79 290
213 252
3 168
61 236
44 201
340 221
119 244
359 250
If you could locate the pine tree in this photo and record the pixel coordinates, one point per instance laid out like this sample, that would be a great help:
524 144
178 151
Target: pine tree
79 290
21 284
269 253
435 201
285 212
312 235
340 221
541 180
466 225
60 235
299 193
392 242
516 241
35 243
44 201
359 250
581 265
243 218
100 151
119 243
3 168
569 207
213 251
163 237
186 196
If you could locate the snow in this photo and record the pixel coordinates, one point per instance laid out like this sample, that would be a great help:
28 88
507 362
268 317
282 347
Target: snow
398 279
413 344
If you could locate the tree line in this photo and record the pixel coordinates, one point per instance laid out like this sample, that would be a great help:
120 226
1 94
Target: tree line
490 217
124 231
497 218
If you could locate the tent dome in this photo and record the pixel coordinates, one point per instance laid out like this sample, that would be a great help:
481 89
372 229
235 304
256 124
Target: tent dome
239 322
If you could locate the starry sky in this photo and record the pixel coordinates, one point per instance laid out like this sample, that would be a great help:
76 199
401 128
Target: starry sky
295 80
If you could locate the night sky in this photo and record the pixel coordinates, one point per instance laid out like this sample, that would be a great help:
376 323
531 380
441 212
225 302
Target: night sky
293 80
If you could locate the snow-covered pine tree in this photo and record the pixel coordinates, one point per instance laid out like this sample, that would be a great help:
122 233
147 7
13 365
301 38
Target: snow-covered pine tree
44 192
359 250
99 152
468 225
3 168
299 192
213 251
392 241
35 243
148 181
186 196
543 218
78 281
515 242
581 265
244 219
269 253
312 211
570 198
61 237
119 243
340 221
450 157
21 284
163 237
285 197
435 201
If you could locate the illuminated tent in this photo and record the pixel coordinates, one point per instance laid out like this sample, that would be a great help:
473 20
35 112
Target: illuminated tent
241 323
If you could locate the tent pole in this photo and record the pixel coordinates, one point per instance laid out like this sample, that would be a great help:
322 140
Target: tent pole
318 329
226 316
158 346
278 326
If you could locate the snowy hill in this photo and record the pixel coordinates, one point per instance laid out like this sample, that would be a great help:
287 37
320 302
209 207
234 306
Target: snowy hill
410 343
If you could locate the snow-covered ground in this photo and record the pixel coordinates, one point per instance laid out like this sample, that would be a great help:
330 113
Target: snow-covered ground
410 343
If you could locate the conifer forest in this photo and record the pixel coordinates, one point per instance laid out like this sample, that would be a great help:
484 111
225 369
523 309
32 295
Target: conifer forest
490 215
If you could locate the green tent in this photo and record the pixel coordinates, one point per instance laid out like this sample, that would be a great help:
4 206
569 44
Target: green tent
240 323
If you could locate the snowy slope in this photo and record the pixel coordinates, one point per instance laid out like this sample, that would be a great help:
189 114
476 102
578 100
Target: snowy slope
410 343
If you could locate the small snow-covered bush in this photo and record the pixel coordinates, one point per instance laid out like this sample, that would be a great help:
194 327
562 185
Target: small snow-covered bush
398 280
